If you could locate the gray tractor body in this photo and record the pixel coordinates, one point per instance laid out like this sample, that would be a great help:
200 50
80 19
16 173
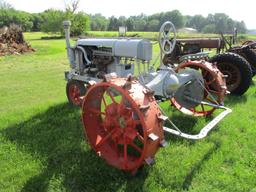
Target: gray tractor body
94 59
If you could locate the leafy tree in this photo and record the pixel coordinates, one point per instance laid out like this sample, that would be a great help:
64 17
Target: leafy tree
80 24
121 21
130 24
174 16
153 25
98 22
230 25
210 19
37 21
52 21
210 28
113 24
80 21
221 22
140 22
20 18
240 26
197 22
140 25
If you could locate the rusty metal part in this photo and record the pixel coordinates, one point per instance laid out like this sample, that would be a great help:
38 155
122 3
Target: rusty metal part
75 94
202 42
251 43
233 74
122 123
75 90
192 46
214 84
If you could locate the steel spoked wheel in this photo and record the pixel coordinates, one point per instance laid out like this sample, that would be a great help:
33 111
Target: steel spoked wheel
214 88
116 123
74 90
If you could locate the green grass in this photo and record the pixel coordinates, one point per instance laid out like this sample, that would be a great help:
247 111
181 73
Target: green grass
42 146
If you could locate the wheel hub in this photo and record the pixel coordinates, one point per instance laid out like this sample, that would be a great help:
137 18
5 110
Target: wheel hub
233 75
74 93
214 85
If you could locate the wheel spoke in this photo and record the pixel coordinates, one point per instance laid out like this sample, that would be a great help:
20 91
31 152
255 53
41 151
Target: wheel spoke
169 33
97 111
212 101
104 101
140 137
136 147
169 42
121 105
210 82
125 153
165 35
111 96
104 139
136 122
202 106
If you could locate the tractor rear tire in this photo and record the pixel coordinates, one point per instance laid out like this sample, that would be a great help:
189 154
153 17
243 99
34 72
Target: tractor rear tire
74 90
238 70
250 56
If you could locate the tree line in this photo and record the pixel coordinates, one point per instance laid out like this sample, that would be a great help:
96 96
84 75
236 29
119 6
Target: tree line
51 21
213 23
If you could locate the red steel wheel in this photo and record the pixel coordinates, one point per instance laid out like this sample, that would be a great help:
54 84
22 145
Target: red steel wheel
214 83
74 90
119 118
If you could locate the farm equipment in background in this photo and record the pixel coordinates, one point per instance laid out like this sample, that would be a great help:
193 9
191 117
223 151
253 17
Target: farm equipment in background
122 119
238 63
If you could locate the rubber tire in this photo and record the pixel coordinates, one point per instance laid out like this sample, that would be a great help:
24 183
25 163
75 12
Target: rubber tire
82 89
242 65
251 58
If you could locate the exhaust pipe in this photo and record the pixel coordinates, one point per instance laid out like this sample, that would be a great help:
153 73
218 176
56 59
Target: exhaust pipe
70 51
66 25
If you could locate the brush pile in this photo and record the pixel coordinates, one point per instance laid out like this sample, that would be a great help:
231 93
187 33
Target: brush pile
12 41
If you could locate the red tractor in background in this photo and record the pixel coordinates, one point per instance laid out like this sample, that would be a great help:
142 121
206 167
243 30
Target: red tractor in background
238 63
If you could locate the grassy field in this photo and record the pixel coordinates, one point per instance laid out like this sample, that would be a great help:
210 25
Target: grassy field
42 146
154 35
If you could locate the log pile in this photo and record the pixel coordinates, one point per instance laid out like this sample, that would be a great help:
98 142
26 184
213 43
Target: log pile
12 41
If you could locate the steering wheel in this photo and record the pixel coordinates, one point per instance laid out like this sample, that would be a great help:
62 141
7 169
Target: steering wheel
167 37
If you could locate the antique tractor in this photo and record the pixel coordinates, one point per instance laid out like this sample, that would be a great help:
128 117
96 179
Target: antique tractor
238 63
122 119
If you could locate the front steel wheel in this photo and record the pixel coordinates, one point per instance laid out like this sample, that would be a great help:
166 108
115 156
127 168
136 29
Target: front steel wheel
118 118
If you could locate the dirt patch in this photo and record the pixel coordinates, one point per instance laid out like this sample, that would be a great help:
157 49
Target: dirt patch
12 41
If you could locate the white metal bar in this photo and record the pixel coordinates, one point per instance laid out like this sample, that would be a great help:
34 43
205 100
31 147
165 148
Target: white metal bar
204 132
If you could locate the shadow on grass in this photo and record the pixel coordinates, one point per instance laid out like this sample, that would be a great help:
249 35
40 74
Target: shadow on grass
232 100
185 123
56 139
198 166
